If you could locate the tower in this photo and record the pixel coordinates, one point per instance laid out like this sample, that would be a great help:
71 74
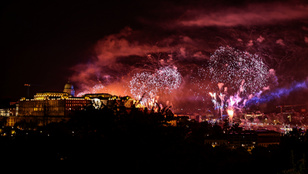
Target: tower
69 88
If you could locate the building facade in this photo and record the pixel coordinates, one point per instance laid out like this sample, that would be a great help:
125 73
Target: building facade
51 107
64 103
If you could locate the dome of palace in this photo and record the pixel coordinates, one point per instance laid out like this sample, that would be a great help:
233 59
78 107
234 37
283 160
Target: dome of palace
68 85
69 88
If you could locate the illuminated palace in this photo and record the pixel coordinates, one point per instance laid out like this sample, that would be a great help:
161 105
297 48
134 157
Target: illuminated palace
55 104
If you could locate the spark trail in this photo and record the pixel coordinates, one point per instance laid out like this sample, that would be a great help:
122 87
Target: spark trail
278 93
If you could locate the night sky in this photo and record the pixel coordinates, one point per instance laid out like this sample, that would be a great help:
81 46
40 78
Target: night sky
97 42
41 41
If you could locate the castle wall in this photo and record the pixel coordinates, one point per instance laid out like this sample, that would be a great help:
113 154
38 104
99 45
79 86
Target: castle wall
42 108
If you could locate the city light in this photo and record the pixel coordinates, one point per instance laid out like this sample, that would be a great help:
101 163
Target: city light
230 114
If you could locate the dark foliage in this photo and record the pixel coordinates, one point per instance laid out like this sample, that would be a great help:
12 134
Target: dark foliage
145 141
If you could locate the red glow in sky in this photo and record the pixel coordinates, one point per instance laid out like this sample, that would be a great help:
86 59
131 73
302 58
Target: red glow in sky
107 43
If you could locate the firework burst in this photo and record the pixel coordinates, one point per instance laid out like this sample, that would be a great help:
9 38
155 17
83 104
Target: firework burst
238 70
238 75
163 81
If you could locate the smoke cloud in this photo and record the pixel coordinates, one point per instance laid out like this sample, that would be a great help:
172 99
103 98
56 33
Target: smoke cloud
187 39
252 14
